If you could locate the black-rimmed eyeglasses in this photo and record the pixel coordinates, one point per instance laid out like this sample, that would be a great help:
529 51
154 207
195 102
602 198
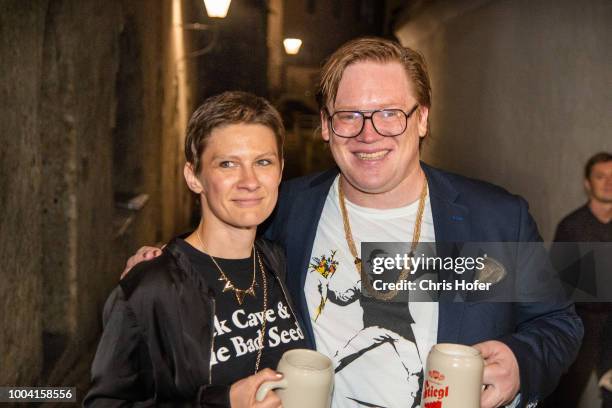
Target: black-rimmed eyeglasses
387 122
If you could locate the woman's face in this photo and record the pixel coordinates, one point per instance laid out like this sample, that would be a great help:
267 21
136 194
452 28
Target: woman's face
239 176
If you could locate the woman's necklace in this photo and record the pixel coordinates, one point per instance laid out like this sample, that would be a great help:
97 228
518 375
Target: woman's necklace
229 285
240 293
416 233
264 319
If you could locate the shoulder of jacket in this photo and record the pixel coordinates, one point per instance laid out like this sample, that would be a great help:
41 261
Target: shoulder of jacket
483 193
273 255
152 276
270 249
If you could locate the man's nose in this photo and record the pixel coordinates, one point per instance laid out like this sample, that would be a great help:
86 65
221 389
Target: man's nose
368 132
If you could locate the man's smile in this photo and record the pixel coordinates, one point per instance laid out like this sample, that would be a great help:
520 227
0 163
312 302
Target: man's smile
370 156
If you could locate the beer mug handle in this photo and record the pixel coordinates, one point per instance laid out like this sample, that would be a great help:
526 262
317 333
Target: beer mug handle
269 385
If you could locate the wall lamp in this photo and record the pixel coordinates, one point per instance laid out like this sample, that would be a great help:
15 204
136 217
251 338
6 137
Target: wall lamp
216 9
292 45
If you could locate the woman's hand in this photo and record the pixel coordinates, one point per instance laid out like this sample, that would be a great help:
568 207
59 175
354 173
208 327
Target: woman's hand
242 392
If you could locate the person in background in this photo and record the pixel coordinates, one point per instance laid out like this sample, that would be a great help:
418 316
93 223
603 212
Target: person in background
592 222
202 324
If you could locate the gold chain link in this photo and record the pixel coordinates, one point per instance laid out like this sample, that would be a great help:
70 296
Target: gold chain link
262 335
416 234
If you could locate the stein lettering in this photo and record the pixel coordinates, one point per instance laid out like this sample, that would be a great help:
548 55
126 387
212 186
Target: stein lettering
431 391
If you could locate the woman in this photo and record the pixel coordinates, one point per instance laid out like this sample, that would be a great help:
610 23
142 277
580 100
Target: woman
187 328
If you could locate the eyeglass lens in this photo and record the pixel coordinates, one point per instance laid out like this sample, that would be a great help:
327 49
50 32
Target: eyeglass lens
391 122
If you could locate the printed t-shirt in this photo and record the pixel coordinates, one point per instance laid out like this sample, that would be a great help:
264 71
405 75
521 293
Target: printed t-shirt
378 348
238 327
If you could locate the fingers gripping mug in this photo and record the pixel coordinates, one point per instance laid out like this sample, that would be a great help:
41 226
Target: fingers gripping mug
308 379
453 378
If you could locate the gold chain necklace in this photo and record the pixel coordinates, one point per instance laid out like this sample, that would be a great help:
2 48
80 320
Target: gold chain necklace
416 234
229 285
262 335
240 293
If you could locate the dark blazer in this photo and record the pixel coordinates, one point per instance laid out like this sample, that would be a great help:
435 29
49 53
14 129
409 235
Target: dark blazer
544 337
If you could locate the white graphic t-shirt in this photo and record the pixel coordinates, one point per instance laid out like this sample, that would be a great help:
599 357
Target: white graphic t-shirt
378 348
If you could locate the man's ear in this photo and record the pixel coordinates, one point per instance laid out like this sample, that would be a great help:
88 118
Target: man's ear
423 114
324 126
587 187
192 180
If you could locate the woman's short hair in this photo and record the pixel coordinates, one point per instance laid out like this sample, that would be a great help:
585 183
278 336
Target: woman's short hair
229 108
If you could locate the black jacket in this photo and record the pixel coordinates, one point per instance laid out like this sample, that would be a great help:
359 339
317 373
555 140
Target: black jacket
156 345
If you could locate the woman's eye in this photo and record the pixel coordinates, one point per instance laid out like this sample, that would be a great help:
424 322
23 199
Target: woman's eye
227 164
264 162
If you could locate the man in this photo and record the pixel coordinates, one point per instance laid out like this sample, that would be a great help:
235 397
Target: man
589 223
375 99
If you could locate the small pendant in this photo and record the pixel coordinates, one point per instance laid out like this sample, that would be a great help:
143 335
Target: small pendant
239 296
228 286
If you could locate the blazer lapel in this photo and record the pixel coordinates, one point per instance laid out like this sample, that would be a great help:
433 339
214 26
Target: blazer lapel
304 217
451 225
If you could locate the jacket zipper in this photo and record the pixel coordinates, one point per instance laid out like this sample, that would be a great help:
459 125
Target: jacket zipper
212 339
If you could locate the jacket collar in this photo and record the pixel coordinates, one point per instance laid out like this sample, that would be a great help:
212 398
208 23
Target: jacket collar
304 216
451 225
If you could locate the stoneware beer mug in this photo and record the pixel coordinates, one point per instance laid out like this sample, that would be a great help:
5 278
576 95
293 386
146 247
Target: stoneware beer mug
453 378
308 379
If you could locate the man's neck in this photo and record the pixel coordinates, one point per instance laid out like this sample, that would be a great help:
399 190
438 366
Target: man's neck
407 192
602 211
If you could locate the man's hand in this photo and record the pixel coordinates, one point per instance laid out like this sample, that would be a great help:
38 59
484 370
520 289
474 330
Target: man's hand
143 254
501 374
242 392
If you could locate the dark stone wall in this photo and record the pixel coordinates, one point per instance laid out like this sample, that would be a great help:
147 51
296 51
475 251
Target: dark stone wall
22 34
77 115
94 102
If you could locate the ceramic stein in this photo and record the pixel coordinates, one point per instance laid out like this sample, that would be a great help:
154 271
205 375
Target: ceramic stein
308 379
453 378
